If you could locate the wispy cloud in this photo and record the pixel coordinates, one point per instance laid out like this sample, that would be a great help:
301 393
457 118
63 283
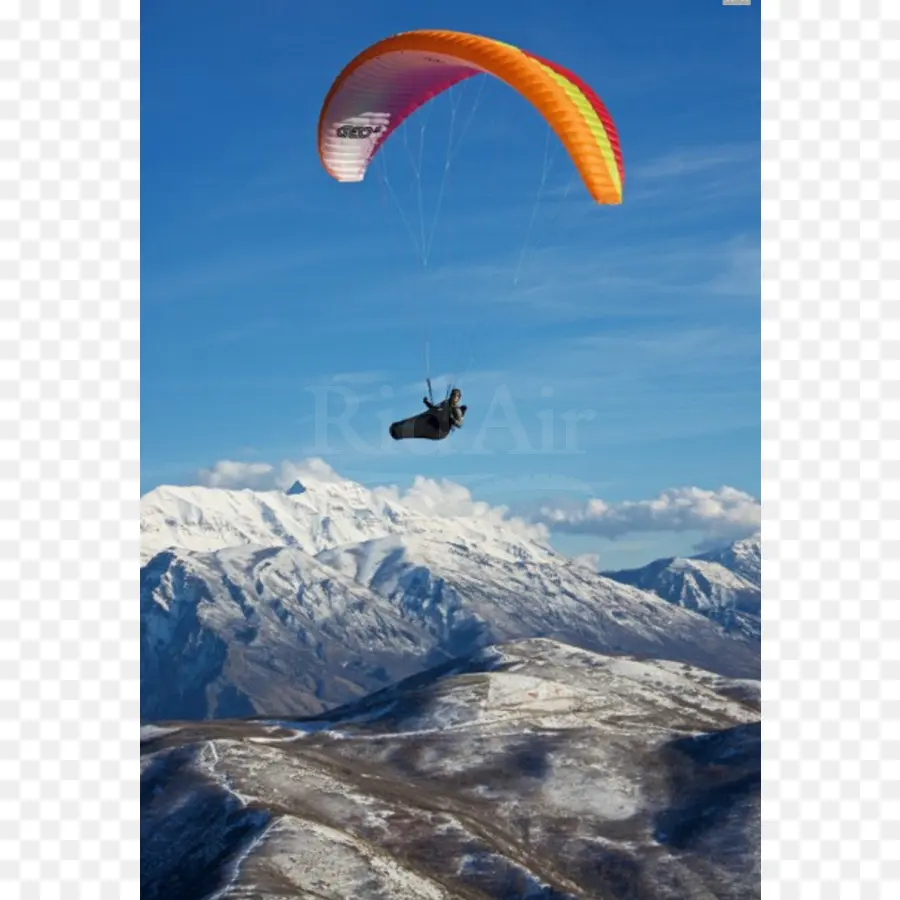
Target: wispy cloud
575 281
739 274
361 377
695 160
660 346
225 270
200 279
239 197
713 179
239 333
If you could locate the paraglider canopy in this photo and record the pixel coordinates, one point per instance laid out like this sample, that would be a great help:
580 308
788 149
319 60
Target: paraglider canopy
390 80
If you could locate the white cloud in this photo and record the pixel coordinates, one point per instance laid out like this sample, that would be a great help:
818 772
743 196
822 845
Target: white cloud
306 470
227 473
261 476
446 499
720 515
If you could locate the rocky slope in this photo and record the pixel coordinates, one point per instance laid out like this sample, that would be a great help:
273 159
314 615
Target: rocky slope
533 770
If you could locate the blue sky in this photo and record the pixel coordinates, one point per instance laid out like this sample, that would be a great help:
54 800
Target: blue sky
274 296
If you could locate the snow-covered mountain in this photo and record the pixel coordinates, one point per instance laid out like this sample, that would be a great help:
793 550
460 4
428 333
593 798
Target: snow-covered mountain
744 558
529 770
247 629
326 511
723 584
293 602
326 514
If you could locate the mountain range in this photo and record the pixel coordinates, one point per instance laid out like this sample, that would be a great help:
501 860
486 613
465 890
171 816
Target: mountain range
294 602
360 694
722 584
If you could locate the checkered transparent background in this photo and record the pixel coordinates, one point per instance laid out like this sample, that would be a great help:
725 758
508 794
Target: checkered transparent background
69 449
830 451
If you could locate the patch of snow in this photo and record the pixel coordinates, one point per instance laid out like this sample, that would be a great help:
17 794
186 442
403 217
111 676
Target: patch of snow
324 861
152 732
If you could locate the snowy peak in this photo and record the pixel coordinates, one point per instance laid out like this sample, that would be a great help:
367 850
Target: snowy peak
252 628
305 599
320 513
743 558
457 588
312 518
722 584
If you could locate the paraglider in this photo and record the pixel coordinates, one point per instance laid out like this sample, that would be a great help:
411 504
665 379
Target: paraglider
437 423
389 81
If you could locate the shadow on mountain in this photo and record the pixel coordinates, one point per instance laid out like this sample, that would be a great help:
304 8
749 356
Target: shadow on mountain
535 772
193 831
713 813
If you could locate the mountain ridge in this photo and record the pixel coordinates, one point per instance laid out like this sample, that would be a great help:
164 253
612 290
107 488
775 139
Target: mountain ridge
305 600
722 584
531 769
